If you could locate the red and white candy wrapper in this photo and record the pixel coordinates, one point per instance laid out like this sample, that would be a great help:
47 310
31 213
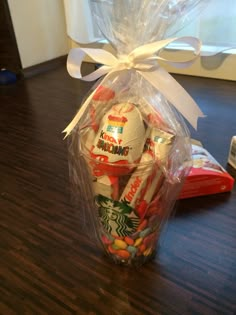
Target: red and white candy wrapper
107 186
121 134
119 141
127 141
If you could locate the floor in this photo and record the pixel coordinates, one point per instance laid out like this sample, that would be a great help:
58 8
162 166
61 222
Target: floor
48 265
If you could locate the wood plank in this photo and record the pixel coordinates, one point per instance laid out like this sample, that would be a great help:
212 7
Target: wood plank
49 265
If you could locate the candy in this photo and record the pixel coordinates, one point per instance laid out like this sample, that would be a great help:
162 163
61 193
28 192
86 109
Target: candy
142 225
161 141
154 185
129 240
136 185
138 241
120 138
128 248
123 253
106 241
135 235
115 247
132 250
120 244
148 251
145 232
141 248
111 249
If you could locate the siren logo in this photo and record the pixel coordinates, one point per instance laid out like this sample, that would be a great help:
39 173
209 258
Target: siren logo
116 217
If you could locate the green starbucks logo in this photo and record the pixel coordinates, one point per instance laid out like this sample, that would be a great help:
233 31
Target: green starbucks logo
118 218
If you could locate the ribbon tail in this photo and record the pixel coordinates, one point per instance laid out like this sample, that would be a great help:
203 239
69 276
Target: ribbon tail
175 94
78 116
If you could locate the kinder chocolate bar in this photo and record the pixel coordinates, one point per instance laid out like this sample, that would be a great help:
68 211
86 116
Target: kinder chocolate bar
107 186
138 181
153 184
120 138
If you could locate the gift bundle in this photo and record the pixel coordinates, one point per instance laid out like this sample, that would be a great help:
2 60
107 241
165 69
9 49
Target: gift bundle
129 148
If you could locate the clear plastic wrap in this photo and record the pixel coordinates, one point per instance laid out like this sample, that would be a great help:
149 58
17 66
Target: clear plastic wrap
130 151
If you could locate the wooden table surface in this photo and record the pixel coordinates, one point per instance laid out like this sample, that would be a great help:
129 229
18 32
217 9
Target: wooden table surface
49 265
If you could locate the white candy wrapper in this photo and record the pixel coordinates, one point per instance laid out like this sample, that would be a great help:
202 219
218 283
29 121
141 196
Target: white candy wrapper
129 146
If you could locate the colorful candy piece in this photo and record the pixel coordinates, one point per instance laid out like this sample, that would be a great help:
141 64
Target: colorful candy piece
148 251
106 240
120 244
142 248
145 232
129 241
111 249
142 225
122 253
115 247
138 241
132 250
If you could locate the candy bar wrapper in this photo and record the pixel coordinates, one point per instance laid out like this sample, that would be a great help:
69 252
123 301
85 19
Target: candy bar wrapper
206 176
130 151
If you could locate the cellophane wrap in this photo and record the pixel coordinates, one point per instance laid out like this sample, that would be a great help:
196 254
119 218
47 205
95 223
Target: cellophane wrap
130 151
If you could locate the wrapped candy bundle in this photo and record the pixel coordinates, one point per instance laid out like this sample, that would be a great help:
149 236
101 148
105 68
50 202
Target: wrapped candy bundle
130 149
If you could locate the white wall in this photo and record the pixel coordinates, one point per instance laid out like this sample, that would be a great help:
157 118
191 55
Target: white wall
40 30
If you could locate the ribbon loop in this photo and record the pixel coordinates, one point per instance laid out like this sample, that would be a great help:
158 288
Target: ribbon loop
144 60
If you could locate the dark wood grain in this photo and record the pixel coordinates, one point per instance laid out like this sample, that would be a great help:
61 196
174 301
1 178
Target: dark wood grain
44 67
9 54
49 265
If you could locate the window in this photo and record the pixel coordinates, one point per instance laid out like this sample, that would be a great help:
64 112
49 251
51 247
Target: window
215 26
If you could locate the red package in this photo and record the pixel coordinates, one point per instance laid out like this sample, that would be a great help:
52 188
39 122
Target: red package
206 176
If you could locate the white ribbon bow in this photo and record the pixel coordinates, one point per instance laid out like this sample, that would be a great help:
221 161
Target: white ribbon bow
142 60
